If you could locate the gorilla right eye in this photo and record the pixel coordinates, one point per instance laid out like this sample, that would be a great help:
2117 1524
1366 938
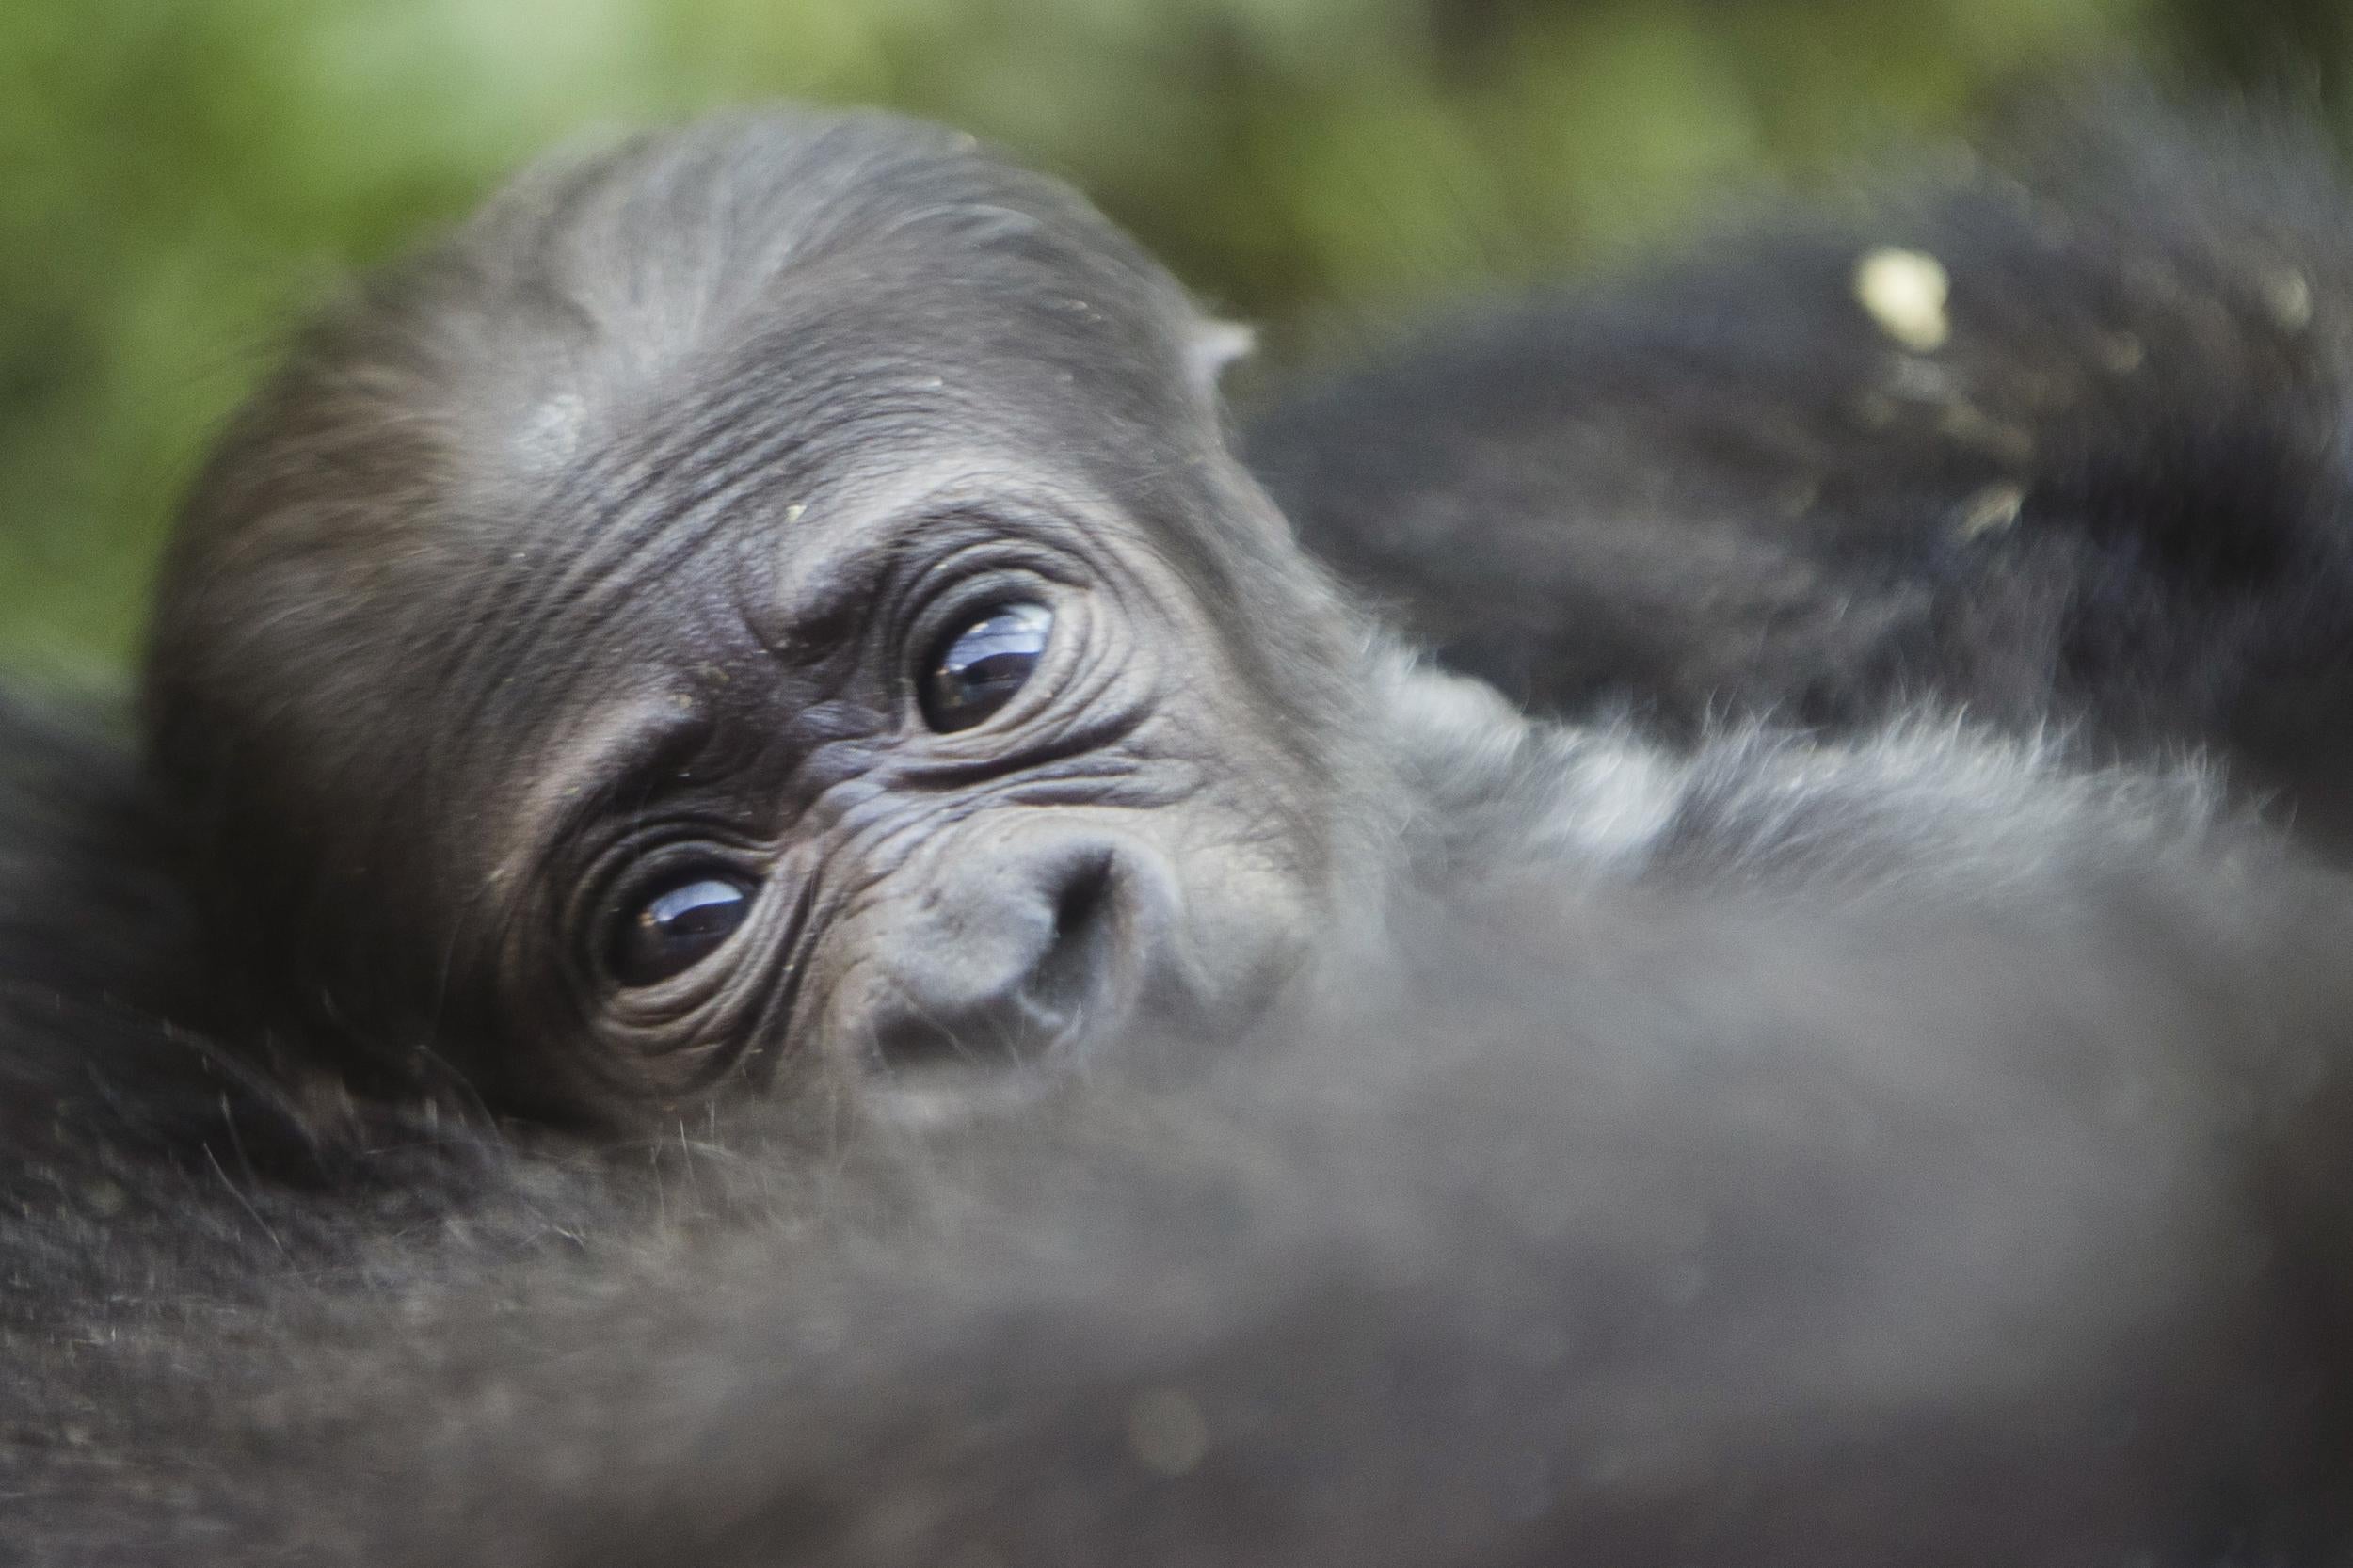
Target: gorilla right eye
978 670
677 928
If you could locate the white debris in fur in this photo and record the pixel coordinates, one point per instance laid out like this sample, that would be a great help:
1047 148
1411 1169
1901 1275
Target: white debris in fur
1905 292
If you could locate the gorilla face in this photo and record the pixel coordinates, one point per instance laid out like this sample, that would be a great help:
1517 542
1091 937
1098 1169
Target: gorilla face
790 634
946 769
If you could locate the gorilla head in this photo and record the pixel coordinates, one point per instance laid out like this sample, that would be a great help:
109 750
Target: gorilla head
775 593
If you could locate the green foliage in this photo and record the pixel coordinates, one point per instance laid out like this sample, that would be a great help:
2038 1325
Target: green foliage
182 176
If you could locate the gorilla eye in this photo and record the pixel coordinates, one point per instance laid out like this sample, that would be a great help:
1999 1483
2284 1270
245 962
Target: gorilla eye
979 669
677 928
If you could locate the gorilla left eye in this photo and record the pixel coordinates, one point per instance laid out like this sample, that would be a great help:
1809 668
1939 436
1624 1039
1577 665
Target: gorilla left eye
978 670
677 927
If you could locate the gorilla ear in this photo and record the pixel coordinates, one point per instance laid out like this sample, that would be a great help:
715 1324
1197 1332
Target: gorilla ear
1214 345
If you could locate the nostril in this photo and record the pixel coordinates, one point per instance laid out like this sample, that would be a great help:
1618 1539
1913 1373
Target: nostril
1073 966
1022 964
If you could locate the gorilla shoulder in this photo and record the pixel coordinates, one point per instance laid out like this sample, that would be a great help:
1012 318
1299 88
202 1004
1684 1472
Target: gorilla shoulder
2052 438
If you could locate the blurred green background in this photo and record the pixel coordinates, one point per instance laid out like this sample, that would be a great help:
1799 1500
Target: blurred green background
182 176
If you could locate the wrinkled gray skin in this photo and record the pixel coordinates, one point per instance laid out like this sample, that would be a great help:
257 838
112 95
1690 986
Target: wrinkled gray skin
1488 1141
614 533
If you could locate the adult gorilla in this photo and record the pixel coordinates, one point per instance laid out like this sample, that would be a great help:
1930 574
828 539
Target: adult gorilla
2057 441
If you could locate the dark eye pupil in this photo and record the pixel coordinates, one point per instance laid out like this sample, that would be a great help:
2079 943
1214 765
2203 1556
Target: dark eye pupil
982 666
675 929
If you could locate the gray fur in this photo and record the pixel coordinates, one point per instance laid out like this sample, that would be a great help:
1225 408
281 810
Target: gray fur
2107 493
1914 1146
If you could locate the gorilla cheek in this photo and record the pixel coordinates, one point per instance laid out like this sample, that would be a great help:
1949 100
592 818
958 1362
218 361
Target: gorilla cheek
1247 929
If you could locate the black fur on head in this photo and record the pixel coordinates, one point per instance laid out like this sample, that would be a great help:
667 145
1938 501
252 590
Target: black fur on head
633 515
2055 435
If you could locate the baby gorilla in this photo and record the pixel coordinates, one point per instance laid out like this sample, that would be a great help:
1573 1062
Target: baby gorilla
771 599
774 606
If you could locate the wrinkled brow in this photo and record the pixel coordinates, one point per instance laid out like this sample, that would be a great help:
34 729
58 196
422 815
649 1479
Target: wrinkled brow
617 757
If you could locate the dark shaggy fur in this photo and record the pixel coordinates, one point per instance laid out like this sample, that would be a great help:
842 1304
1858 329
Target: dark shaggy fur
1991 1211
1919 1148
2115 494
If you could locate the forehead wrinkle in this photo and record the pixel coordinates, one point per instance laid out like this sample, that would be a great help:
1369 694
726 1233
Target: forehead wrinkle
826 389
639 515
871 524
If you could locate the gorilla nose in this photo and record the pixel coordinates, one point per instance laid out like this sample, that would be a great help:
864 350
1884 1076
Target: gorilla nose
1015 952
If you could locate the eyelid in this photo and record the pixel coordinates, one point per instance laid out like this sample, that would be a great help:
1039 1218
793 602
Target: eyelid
828 597
611 863
865 577
628 746
639 861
